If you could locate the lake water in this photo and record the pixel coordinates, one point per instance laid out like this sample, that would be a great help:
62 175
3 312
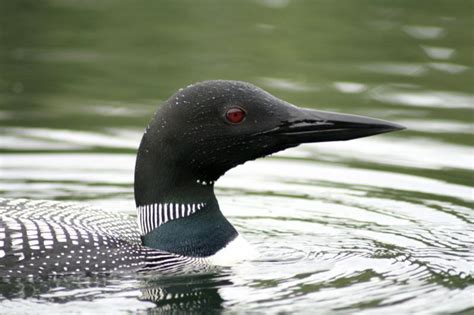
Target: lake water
383 224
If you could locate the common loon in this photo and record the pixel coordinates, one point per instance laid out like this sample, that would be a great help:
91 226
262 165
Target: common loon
197 135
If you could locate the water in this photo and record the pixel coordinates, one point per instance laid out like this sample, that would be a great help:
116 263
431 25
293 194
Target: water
382 224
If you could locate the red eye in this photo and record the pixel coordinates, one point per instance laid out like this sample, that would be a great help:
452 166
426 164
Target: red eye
235 115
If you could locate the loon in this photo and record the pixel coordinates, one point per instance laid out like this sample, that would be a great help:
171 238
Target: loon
196 136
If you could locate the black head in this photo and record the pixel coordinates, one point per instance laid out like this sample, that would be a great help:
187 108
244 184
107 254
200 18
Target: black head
210 127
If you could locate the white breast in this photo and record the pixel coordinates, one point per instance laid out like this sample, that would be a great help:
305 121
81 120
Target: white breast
237 250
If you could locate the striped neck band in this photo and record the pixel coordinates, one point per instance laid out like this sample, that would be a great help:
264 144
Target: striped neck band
153 215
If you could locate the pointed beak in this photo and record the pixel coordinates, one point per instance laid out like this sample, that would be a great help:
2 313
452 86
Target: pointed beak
306 125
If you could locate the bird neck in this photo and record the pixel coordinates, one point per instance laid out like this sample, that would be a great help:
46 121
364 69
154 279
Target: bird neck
198 234
177 210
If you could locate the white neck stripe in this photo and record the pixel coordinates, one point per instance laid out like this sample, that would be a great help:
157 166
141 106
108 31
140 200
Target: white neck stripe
152 216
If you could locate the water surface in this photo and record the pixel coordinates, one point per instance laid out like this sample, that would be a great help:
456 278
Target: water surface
382 224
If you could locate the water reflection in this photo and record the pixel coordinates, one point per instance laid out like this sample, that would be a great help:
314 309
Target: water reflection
185 293
189 292
410 97
443 53
408 69
424 32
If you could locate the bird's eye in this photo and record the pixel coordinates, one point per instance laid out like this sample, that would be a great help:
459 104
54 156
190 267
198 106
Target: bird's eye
235 115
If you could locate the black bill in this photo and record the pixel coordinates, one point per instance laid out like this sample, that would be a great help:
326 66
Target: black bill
306 125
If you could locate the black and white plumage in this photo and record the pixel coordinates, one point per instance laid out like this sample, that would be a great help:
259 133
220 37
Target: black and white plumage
193 139
40 237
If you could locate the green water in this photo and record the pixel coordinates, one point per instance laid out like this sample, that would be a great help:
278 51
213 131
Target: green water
382 224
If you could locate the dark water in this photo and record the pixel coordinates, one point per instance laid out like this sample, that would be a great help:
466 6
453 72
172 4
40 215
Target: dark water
383 224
